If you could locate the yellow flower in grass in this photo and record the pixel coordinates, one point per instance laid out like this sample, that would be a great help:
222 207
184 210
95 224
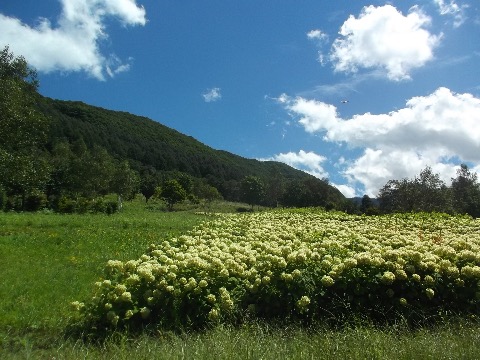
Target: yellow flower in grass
126 296
128 314
327 281
416 277
214 315
428 280
120 289
211 298
77 306
145 312
302 303
403 301
430 293
401 275
115 265
388 277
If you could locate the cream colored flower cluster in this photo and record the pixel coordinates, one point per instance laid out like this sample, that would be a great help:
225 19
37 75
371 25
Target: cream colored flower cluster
234 263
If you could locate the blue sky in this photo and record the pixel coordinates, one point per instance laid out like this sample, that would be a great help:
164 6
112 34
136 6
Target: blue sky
360 92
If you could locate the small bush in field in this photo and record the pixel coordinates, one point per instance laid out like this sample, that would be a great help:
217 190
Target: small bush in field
83 205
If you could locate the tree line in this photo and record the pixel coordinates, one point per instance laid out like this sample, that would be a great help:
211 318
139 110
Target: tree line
426 192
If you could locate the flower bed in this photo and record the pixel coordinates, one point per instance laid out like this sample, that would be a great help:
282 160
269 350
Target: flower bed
305 264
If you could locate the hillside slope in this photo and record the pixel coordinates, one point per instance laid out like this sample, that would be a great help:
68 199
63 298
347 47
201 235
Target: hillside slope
148 144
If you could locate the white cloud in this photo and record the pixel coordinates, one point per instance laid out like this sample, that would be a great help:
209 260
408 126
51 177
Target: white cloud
453 9
309 162
74 43
346 190
430 130
382 37
320 37
317 35
212 95
314 115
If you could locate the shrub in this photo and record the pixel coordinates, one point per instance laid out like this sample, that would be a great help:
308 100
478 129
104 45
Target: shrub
66 205
83 205
307 265
35 201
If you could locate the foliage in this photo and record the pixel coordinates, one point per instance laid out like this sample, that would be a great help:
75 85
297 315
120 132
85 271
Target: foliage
172 192
84 205
303 265
23 165
253 190
426 192
466 192
67 148
153 149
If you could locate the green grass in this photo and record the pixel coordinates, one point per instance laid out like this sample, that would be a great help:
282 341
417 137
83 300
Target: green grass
48 260
260 341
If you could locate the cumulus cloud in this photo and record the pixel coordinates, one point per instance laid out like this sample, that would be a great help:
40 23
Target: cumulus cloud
346 190
314 115
453 9
73 44
382 37
430 130
212 95
309 162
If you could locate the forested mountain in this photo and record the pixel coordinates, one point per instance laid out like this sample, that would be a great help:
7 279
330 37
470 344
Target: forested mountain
146 143
151 146
61 153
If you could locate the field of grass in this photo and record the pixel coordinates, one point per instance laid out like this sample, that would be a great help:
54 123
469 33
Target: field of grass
49 260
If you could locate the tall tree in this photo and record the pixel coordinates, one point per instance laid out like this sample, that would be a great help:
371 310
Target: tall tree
274 187
431 193
426 192
125 182
23 162
253 190
466 192
172 192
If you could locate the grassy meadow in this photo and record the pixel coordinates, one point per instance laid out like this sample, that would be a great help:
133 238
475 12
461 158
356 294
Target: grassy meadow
49 260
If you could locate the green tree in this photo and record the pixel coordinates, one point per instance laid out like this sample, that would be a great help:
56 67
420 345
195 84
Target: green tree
24 165
207 192
172 192
295 194
431 193
426 192
466 192
274 187
368 207
149 180
252 190
125 182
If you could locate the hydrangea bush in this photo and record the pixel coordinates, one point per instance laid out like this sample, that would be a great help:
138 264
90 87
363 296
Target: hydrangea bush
305 264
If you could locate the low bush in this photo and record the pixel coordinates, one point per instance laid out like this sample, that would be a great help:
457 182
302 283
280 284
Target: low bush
83 205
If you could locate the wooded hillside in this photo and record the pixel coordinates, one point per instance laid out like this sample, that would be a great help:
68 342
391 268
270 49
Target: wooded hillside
54 152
